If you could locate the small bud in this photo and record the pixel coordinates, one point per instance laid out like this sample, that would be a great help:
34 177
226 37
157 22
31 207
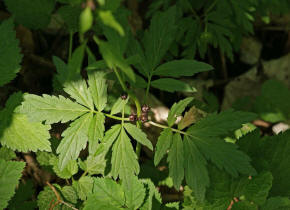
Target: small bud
143 118
145 108
132 117
123 96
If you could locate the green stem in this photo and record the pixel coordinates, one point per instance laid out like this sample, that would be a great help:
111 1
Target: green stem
164 126
120 80
70 45
85 173
89 52
123 112
210 7
137 104
147 89
116 118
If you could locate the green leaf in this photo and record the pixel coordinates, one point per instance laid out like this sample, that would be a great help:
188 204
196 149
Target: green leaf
70 169
196 174
79 91
43 158
138 135
163 144
94 203
10 172
153 199
25 136
109 20
124 159
96 164
111 136
276 203
159 37
70 15
47 198
108 191
69 196
83 187
172 85
224 155
51 109
96 131
34 14
22 200
221 124
33 136
275 150
134 192
273 104
176 161
98 89
179 68
114 59
75 139
177 109
70 72
119 105
258 188
10 56
7 154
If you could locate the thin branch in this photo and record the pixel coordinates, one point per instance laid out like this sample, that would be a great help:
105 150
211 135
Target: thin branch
58 198
164 126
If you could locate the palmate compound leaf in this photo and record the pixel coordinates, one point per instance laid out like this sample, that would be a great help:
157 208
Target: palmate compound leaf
221 124
96 131
114 59
176 160
177 109
106 192
179 68
17 133
80 92
204 144
134 192
124 159
98 89
10 56
138 135
71 71
163 144
159 37
196 173
224 155
10 172
51 109
75 139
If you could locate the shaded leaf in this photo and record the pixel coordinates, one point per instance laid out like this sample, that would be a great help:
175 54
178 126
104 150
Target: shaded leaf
10 56
172 85
10 172
163 144
138 135
176 161
179 68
